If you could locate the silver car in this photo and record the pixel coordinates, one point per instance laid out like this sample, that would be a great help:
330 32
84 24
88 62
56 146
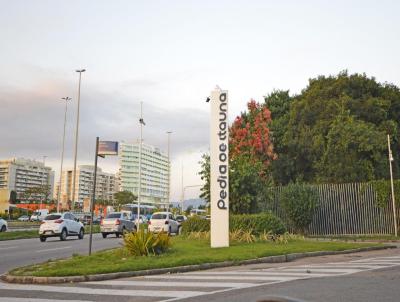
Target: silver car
116 223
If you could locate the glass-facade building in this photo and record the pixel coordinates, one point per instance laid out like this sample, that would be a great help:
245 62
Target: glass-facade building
154 175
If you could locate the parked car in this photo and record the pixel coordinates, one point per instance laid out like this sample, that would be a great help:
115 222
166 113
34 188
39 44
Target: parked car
116 223
39 215
23 218
181 218
163 221
3 225
61 225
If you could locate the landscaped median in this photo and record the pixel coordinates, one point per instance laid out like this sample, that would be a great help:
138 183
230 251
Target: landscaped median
185 255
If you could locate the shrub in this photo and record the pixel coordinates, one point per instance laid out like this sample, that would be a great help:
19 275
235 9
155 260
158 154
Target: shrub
299 203
195 224
256 223
145 243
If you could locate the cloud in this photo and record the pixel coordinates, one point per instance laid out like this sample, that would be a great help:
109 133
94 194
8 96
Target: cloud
32 121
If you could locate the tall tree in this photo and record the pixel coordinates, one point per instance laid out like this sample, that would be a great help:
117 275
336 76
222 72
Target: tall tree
124 197
313 113
250 135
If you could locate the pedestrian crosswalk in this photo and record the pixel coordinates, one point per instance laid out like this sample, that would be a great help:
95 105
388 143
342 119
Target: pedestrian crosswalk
173 287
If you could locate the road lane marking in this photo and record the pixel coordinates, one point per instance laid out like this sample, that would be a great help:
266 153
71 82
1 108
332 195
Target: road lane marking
171 284
225 277
99 291
11 299
8 248
54 249
260 273
324 270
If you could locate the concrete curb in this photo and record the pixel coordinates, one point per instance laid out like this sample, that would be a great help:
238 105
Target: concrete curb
180 269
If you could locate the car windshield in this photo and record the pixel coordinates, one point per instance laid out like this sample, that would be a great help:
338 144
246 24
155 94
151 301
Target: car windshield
159 216
52 217
114 215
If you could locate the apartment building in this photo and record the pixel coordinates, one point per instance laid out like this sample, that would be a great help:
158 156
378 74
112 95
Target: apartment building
154 174
19 174
106 184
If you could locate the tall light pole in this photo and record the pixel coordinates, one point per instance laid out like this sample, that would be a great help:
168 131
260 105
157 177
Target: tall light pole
43 192
183 189
391 184
66 99
169 171
76 137
142 123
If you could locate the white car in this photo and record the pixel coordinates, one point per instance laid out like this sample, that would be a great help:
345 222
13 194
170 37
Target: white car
61 225
163 221
23 218
3 225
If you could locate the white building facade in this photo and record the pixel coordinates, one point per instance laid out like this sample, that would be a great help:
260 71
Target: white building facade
106 184
19 174
155 176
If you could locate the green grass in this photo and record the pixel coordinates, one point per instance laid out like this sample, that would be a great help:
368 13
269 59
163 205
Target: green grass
23 224
34 233
184 252
19 235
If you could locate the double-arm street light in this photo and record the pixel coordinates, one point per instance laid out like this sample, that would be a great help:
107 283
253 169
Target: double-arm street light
142 123
66 99
76 138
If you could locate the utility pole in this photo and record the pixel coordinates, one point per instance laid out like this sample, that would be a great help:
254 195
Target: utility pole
183 190
392 187
62 153
76 139
142 123
169 172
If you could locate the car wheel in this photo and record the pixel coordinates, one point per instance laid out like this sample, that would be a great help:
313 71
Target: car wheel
3 228
42 238
117 235
81 233
169 231
63 235
104 235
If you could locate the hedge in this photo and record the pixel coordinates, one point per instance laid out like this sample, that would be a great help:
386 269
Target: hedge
258 223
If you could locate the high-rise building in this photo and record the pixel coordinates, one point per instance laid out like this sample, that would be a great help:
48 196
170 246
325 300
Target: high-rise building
154 174
106 184
19 174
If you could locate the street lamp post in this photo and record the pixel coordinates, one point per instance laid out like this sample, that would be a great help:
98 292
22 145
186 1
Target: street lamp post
142 123
169 172
66 99
76 137
392 187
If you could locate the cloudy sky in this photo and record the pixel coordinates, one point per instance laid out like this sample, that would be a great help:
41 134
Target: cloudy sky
170 55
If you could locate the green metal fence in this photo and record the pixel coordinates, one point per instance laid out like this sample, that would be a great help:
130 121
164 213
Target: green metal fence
344 209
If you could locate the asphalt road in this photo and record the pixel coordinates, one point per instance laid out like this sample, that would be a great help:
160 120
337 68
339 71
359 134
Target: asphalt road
15 253
359 277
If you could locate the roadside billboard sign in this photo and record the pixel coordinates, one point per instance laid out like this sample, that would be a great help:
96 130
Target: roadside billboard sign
107 148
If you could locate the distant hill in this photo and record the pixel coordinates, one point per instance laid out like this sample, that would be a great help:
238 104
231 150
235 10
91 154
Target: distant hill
195 203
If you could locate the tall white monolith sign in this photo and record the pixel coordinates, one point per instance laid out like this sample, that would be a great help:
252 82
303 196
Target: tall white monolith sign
219 165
